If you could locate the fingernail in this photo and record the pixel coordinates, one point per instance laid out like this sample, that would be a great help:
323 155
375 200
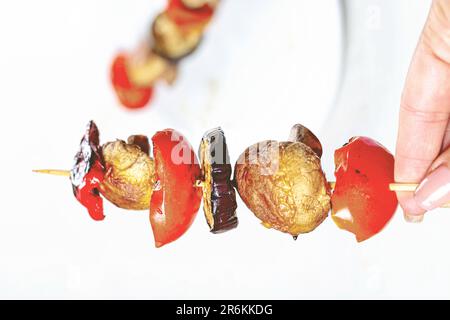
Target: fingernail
413 218
434 190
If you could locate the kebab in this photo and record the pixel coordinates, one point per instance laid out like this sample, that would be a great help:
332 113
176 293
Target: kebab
282 183
175 34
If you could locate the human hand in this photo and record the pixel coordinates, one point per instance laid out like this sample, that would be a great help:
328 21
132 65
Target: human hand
423 153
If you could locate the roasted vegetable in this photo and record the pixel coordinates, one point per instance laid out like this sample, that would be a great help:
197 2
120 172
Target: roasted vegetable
141 141
176 198
362 202
88 172
283 184
302 134
130 173
197 4
172 41
219 196
191 12
130 94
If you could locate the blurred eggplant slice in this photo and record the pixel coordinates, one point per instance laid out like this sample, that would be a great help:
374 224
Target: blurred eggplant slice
172 41
219 196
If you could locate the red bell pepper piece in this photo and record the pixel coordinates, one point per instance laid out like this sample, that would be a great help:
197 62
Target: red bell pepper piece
176 198
129 94
88 193
362 202
183 15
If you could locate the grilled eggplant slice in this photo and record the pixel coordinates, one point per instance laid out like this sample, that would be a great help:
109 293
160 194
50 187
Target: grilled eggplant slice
88 172
87 156
219 196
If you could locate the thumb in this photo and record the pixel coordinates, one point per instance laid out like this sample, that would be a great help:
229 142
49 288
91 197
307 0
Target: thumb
434 191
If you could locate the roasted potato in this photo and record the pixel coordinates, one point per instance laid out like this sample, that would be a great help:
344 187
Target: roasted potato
283 184
129 176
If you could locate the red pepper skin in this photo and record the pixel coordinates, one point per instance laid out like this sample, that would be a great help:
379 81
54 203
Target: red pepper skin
183 15
175 200
88 193
129 94
362 202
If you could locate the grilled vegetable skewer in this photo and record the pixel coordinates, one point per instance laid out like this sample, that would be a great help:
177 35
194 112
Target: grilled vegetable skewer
406 187
282 183
175 34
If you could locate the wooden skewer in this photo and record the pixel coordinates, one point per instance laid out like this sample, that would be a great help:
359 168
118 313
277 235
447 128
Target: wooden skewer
409 187
54 172
406 187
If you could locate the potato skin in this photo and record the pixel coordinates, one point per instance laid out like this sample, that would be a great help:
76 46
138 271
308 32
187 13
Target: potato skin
284 186
129 176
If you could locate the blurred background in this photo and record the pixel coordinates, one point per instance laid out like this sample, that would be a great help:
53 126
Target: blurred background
335 66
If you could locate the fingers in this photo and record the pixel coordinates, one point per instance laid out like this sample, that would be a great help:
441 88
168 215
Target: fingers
446 142
434 191
424 111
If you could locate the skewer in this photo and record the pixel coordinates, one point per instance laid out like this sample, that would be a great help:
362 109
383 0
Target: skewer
54 172
409 187
405 187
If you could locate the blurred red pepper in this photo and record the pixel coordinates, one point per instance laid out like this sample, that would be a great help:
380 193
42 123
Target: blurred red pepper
182 15
129 94
176 199
362 202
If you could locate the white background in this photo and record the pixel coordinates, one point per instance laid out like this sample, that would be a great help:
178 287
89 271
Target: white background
264 65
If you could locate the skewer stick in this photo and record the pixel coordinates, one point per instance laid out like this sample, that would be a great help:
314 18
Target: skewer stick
405 187
54 172
409 187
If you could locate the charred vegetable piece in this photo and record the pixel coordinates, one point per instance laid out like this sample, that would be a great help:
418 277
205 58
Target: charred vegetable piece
88 172
302 134
219 196
130 94
172 41
283 184
176 198
130 174
361 201
141 141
